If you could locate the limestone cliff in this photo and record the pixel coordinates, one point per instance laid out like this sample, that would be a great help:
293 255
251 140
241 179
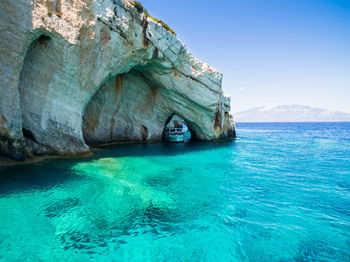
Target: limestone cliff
75 73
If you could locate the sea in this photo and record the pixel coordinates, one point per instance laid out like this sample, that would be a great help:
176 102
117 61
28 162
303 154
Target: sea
279 192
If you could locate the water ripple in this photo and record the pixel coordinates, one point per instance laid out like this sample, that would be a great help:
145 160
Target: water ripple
279 193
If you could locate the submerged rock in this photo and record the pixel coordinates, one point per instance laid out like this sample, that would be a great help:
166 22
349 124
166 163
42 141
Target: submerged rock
78 73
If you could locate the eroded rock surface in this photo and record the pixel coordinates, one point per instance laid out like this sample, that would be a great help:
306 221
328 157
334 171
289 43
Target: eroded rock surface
75 73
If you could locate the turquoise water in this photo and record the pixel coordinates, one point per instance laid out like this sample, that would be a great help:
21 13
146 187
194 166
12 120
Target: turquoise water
281 192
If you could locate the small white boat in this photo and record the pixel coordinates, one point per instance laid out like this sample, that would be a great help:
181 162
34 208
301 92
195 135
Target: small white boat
177 131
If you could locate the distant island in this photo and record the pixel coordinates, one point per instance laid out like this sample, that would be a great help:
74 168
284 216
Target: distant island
290 113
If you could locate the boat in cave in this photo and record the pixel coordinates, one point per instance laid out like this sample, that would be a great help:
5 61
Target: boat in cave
177 131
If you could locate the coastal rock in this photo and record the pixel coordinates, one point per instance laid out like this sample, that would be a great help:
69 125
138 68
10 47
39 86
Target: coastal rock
75 73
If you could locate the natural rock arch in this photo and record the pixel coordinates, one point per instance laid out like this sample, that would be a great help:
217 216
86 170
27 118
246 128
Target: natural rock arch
127 107
135 106
194 136
50 83
34 81
43 84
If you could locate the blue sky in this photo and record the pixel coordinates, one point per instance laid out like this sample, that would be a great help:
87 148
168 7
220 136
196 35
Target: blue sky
271 52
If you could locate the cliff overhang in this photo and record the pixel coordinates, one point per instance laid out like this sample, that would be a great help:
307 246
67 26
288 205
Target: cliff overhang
80 73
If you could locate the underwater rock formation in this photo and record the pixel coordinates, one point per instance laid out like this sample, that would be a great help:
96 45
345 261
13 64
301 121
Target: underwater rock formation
75 73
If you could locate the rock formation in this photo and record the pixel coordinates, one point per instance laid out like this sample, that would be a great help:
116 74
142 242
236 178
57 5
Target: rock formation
75 73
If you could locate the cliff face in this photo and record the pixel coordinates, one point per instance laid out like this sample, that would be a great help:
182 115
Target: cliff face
75 73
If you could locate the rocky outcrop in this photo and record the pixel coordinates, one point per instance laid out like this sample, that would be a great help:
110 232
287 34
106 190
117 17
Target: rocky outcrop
75 73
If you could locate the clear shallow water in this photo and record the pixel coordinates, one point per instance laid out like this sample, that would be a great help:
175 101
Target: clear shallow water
281 192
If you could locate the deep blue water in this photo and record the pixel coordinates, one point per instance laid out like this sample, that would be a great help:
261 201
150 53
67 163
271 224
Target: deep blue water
280 192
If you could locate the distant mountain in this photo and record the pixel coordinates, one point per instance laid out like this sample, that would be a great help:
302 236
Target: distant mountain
290 113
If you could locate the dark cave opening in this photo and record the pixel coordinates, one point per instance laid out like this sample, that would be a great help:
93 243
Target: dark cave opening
28 134
194 136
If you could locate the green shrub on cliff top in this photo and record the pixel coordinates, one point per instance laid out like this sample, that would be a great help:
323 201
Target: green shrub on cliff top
139 7
163 24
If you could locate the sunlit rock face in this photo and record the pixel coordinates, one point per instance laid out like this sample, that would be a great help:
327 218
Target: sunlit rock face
78 73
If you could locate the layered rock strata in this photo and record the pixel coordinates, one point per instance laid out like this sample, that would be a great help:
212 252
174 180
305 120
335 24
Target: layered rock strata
75 73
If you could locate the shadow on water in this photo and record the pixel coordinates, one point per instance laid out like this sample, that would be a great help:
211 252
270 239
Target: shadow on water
36 176
50 173
159 149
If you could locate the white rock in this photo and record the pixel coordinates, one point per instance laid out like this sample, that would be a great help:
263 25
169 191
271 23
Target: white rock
62 61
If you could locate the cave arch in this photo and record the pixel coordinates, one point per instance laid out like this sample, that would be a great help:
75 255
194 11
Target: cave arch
135 106
122 110
127 107
39 63
194 136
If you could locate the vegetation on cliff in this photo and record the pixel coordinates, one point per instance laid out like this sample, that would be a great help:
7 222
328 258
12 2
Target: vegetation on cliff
141 9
